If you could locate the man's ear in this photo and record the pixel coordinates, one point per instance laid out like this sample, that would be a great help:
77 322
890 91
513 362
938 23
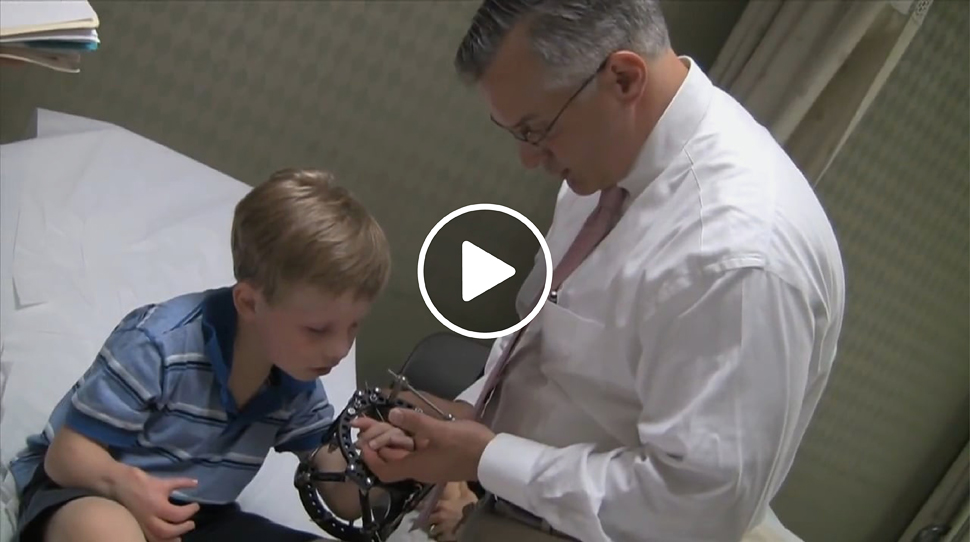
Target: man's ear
246 298
628 74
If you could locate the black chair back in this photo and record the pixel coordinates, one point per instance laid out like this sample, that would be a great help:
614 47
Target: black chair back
445 364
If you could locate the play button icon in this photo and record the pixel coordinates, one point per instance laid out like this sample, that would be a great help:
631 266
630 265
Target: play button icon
476 267
480 271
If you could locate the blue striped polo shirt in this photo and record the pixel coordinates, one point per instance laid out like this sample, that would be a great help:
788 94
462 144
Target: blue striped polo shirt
157 395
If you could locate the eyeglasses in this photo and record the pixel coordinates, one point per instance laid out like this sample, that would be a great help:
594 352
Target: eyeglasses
535 137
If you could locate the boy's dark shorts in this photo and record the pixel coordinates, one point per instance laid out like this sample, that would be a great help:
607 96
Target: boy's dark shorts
42 497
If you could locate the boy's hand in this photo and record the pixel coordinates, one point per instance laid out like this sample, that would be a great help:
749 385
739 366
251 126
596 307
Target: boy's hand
449 510
147 498
445 451
377 435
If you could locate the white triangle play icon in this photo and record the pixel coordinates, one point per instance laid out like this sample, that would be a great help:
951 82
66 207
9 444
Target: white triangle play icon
480 271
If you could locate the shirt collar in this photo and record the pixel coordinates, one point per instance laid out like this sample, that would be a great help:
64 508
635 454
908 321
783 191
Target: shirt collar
675 128
219 319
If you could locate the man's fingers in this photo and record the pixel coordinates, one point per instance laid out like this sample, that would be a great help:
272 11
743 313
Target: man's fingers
415 423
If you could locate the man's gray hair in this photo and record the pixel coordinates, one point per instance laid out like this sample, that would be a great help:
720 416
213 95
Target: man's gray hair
571 37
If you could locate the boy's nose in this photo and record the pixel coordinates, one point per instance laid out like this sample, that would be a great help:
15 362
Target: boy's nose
338 350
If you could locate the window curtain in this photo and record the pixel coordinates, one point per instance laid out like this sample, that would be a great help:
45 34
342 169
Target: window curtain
946 515
808 69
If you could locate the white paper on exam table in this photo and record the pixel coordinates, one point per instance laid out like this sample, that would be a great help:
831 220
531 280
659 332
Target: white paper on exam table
15 173
47 123
57 213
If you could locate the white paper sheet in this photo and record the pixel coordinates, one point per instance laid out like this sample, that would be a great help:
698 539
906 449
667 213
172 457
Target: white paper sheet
54 123
110 198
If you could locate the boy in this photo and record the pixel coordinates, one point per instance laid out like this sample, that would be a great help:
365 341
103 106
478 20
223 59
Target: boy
177 413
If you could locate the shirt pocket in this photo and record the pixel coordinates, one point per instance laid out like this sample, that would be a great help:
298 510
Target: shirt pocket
569 342
577 356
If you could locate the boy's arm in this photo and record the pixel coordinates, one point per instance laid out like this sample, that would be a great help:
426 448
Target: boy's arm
76 461
108 407
303 434
342 498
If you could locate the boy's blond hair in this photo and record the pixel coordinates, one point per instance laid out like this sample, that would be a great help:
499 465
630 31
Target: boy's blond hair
301 228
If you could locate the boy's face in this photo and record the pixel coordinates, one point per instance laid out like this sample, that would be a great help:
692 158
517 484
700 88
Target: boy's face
305 332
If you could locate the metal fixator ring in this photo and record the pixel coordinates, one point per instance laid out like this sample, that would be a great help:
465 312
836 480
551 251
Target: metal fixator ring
402 497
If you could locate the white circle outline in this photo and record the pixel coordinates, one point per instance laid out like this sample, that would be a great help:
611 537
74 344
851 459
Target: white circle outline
545 253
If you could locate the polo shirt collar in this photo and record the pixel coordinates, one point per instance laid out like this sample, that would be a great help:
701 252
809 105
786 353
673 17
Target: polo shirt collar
675 128
219 319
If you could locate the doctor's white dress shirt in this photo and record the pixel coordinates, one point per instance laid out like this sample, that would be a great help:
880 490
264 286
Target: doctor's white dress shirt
664 394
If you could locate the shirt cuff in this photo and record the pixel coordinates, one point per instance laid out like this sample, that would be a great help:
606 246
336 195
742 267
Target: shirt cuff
506 467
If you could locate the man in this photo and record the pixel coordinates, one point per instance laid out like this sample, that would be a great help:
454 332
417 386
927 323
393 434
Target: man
663 390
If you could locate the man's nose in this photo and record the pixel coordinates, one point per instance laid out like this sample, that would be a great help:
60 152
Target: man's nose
530 155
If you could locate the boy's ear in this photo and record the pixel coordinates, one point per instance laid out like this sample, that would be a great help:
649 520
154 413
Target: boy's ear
245 297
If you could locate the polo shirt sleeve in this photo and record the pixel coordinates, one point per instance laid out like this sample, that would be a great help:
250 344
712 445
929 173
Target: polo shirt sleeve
310 421
114 398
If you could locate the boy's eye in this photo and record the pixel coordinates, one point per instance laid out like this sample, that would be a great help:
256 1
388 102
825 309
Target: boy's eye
318 330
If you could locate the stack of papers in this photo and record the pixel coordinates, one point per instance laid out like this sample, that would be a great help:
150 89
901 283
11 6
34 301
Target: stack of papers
53 34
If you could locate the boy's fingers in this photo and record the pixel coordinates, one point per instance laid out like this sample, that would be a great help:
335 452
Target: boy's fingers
442 519
414 422
180 483
386 471
373 460
378 441
393 437
363 422
392 454
374 431
402 441
163 530
450 492
178 513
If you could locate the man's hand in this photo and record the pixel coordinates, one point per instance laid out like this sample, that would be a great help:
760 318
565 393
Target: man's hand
444 451
376 435
459 409
146 497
